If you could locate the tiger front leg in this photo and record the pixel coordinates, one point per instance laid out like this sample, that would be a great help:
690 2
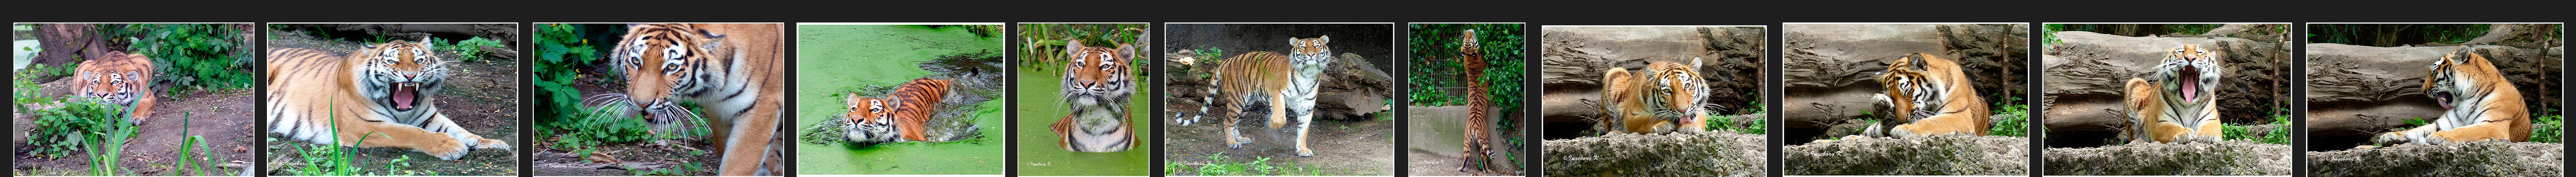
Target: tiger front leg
441 123
1305 121
388 134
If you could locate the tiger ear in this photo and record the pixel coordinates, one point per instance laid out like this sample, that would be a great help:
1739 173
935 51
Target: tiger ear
424 43
1126 51
1292 43
1073 48
367 47
850 97
1324 39
1695 64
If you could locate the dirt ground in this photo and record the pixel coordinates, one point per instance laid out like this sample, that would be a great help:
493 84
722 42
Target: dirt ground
1341 147
482 96
630 158
223 117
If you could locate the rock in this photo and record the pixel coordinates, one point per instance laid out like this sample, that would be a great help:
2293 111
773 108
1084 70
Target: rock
1830 69
2086 73
2482 158
1572 60
2355 91
2236 158
1935 155
1685 154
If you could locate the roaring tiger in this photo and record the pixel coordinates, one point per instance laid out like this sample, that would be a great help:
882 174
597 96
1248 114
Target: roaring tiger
901 116
1664 97
2478 104
382 94
1096 85
1479 128
118 79
2177 102
1286 83
1928 95
734 72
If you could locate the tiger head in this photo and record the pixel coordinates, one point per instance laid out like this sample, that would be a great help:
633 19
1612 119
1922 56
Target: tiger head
1679 92
1909 88
662 63
1097 78
1474 53
2189 74
114 78
871 120
2443 84
401 74
1310 51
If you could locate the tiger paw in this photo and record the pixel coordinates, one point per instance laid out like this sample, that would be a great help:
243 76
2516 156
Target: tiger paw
492 144
1303 152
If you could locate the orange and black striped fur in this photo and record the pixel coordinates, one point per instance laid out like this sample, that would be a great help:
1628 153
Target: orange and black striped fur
1287 83
2479 104
734 72
1096 86
120 79
2177 102
901 116
1665 97
1928 95
382 94
1480 107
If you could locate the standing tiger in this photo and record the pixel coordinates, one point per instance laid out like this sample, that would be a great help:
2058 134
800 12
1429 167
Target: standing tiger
899 117
1286 83
1096 86
734 72
2177 101
120 79
1480 107
382 94
1927 95
1665 97
2478 104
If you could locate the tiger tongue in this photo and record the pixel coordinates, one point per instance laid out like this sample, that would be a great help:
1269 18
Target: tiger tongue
2190 88
403 96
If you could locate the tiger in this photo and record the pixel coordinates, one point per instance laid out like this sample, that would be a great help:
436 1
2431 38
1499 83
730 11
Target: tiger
1928 95
120 79
2179 103
1479 128
2494 109
1664 97
900 116
382 95
1287 83
1096 86
734 72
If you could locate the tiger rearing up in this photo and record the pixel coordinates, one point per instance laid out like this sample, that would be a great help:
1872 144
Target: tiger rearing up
382 93
2177 101
1665 97
1096 86
1480 107
1928 95
1286 83
118 79
899 117
734 72
2478 104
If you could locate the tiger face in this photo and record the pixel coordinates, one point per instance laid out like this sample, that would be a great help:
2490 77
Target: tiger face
870 120
1927 95
119 79
1679 91
1664 97
662 63
1098 78
401 74
2190 73
1310 51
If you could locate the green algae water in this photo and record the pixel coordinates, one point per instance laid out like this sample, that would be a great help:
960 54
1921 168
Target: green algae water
837 59
1042 104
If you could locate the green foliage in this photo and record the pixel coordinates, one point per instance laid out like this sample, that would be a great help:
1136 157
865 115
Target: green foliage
1436 64
1219 165
1727 123
2546 126
2280 133
2048 33
685 168
472 48
1045 42
2015 118
189 164
79 122
192 56
561 55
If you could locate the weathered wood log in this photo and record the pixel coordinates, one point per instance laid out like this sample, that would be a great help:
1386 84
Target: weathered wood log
2233 158
1573 60
2087 73
504 33
1830 69
1685 154
2361 90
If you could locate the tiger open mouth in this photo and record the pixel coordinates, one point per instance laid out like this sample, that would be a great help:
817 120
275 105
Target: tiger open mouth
405 93
2443 98
2190 83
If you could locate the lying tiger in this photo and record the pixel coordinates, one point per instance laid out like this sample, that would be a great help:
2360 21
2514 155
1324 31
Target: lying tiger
382 94
1928 95
120 79
2478 104
1665 97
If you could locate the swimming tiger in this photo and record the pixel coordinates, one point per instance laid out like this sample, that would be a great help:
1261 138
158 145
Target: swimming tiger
383 94
1286 83
2478 104
2177 102
1479 127
1665 97
734 72
1928 95
900 116
121 79
1096 86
